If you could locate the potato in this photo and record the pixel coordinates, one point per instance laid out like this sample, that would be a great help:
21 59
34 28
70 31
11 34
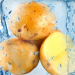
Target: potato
32 21
17 56
54 52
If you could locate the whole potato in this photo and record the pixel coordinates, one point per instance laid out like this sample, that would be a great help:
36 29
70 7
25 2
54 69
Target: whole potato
17 56
32 21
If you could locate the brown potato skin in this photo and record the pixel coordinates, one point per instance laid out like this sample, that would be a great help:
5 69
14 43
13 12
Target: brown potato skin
20 60
35 21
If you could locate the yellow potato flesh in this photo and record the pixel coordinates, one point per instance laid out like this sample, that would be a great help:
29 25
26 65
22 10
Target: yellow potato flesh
54 52
20 54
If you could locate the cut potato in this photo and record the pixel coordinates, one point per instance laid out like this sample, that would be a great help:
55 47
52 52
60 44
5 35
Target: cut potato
32 21
54 52
17 56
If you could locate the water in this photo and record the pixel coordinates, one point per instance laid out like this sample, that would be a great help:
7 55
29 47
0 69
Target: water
65 13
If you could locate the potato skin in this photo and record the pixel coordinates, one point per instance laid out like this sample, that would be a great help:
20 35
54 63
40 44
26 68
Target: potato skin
32 21
20 54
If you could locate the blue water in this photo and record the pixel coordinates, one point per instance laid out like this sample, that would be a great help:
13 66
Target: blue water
65 13
4 72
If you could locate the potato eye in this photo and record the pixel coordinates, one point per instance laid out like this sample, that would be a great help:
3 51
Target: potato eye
19 30
34 11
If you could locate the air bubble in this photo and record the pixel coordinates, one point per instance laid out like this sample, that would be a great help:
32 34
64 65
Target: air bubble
16 34
55 21
1 66
59 67
28 2
10 11
9 65
4 54
55 28
36 53
74 30
52 7
44 17
1 48
17 19
23 71
69 50
73 38
51 58
23 50
72 24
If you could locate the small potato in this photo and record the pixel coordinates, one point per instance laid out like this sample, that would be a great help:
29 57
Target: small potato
17 56
32 21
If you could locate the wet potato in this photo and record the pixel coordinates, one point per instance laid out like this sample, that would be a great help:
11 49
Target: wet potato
32 21
54 51
17 56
